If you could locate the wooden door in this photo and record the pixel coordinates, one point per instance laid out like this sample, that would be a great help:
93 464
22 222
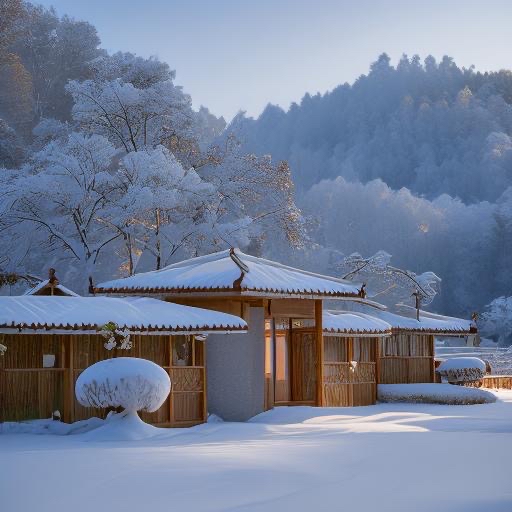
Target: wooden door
303 366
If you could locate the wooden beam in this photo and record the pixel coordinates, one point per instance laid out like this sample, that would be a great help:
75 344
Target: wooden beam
69 385
171 394
205 385
319 353
432 352
378 342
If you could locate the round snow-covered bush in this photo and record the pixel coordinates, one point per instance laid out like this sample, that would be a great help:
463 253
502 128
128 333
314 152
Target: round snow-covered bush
462 369
128 382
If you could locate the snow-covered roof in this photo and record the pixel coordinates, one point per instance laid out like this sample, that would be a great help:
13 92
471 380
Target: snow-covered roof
429 323
39 288
353 323
137 314
232 272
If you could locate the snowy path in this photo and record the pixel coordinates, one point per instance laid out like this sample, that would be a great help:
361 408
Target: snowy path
388 457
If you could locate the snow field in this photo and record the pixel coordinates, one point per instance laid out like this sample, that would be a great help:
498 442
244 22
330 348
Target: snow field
388 457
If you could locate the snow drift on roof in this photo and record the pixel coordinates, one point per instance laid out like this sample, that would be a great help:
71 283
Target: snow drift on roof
428 322
138 314
348 322
231 271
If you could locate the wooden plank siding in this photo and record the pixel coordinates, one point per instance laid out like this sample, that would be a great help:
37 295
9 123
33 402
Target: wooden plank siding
406 358
29 391
346 384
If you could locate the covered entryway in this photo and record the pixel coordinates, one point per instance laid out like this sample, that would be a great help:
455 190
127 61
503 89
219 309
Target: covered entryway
292 348
295 364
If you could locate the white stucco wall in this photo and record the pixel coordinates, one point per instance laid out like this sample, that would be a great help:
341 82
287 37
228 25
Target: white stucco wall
235 367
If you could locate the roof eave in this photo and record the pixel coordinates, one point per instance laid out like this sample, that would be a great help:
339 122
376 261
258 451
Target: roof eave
226 292
82 329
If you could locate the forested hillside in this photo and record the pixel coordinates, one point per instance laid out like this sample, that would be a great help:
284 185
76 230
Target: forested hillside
415 159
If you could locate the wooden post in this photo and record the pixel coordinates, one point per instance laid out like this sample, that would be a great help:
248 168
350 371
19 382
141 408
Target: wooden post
2 382
432 356
171 419
205 386
292 395
319 354
69 385
377 364
273 346
350 353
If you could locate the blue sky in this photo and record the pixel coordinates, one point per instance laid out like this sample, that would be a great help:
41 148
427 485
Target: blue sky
240 55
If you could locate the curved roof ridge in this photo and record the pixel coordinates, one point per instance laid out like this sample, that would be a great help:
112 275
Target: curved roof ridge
278 265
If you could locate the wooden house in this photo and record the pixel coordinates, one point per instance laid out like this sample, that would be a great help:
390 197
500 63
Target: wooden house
243 377
407 356
51 286
50 340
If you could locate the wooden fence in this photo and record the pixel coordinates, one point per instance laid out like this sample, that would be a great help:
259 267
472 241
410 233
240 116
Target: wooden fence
29 390
350 371
406 359
497 382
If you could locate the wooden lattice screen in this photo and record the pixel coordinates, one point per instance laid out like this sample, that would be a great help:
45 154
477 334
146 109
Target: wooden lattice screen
28 390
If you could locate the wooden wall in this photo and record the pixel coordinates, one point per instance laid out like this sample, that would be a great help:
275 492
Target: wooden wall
406 358
29 391
346 383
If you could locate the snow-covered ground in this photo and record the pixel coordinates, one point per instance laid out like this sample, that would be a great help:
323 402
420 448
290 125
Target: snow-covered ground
387 457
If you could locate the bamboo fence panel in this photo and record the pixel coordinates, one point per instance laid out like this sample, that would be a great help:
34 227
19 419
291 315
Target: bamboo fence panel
351 380
337 395
30 394
394 370
497 381
363 394
29 391
187 394
159 417
335 349
406 358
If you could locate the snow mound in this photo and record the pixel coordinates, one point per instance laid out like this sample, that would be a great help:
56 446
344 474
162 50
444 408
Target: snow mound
433 394
128 382
125 426
49 426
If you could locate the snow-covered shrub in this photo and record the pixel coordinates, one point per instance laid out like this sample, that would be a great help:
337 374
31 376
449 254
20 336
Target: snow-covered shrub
128 382
433 394
462 369
116 337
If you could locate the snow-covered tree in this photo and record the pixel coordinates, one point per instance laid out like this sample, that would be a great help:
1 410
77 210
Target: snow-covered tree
161 206
383 279
496 321
63 194
129 115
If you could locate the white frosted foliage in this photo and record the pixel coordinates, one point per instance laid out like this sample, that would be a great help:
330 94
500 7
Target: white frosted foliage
128 382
